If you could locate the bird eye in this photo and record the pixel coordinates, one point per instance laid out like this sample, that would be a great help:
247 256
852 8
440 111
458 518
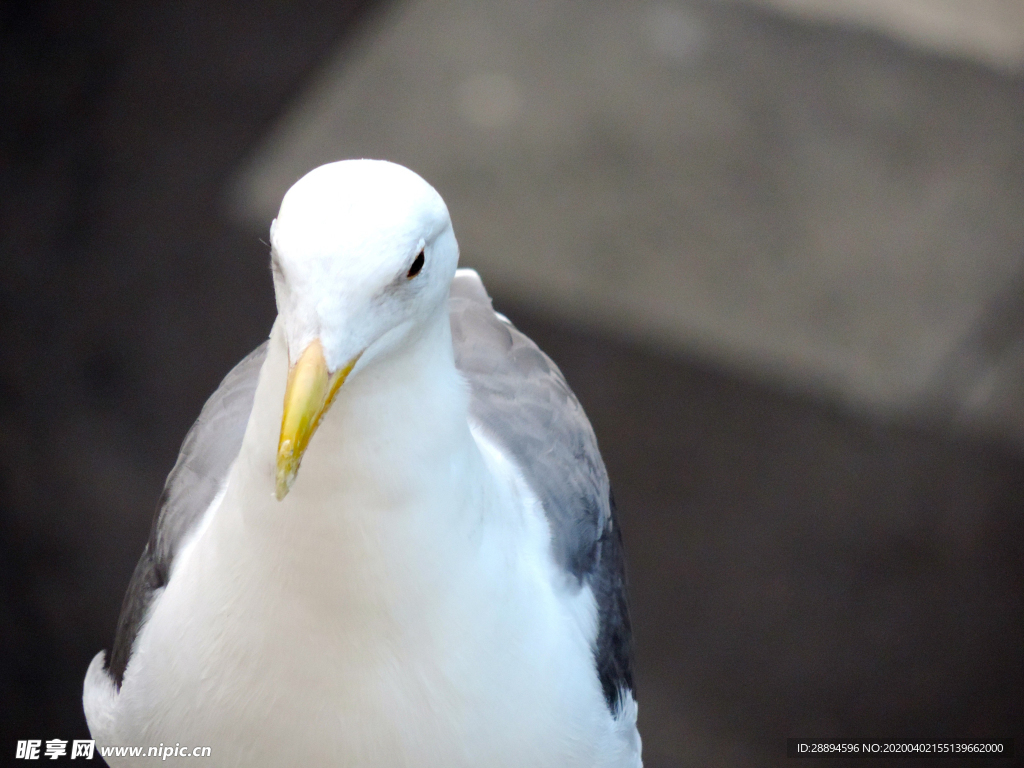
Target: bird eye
416 266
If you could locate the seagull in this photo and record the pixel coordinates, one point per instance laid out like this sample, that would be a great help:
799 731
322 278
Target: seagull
389 539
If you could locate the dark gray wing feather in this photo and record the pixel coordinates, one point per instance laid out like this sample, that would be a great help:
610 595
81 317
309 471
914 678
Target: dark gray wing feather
206 456
521 399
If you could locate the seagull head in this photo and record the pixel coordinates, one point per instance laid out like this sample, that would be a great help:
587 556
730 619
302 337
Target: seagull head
363 254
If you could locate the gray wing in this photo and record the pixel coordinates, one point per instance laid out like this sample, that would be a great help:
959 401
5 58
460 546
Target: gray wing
207 454
521 399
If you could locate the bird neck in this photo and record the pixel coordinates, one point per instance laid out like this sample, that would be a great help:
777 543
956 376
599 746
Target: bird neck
390 480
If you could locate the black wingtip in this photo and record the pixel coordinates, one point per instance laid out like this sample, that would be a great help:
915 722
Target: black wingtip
145 580
613 651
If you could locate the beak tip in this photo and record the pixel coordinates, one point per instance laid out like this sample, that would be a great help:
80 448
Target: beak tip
283 486
287 469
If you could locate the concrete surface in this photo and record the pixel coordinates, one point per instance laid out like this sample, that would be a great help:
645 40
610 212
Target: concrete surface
988 31
818 206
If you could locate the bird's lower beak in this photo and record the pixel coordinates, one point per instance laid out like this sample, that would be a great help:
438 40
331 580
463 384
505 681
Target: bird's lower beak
310 391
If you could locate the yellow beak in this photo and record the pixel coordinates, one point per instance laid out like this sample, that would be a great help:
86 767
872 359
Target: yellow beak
310 392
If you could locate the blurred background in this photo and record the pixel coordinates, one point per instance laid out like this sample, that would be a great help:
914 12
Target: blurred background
776 246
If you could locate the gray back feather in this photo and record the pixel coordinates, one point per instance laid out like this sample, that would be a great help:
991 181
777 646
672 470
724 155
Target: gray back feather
206 456
207 453
523 402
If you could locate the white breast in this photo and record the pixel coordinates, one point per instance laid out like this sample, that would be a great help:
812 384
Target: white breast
487 662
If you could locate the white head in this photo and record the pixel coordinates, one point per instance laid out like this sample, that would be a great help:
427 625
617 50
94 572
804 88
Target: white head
343 246
363 255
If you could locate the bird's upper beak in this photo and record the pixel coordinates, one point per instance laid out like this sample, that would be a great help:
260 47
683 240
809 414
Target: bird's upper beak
310 391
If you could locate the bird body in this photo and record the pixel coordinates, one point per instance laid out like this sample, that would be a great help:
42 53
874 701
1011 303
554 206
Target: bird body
401 603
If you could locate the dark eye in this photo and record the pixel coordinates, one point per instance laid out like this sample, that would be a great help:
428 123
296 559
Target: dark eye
416 266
